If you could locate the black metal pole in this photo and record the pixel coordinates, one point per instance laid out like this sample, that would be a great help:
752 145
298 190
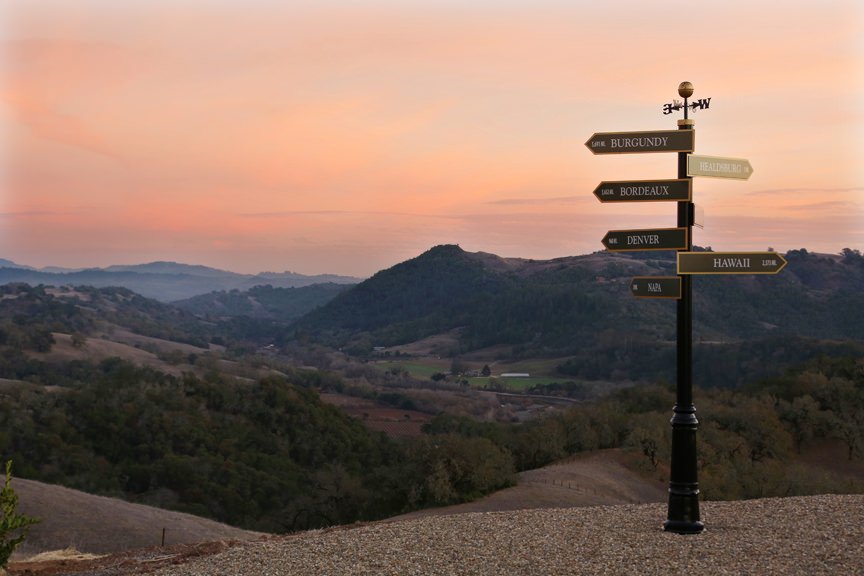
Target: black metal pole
683 515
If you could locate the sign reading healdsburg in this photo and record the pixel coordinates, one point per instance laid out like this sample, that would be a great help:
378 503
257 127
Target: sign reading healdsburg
719 167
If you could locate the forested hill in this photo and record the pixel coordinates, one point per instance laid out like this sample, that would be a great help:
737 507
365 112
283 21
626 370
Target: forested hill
557 306
29 315
432 293
263 302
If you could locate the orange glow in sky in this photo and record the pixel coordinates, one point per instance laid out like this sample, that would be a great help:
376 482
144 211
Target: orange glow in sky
346 136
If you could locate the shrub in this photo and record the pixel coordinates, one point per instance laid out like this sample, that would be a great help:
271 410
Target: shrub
13 526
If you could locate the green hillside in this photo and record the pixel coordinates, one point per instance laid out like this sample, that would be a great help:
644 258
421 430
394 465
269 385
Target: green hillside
559 307
434 292
33 312
263 302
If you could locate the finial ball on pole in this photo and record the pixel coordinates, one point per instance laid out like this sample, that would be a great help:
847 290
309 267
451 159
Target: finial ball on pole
685 89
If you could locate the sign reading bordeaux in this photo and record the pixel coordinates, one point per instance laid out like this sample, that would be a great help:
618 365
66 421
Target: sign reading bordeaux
638 142
644 191
730 263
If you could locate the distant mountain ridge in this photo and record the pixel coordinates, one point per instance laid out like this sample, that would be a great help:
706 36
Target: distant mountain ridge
10 264
164 281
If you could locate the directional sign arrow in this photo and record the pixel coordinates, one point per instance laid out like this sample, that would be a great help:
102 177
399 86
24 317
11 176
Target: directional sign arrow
637 142
656 287
730 263
718 167
644 190
654 239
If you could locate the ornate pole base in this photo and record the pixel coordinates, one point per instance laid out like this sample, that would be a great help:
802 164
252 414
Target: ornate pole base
683 511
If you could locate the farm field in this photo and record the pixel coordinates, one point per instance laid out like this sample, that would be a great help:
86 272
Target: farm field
541 372
395 422
515 384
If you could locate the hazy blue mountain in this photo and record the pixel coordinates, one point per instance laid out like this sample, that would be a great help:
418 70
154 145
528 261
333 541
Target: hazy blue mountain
165 281
59 269
175 268
10 264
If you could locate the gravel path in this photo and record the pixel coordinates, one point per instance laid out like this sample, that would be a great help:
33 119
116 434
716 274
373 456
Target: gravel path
789 536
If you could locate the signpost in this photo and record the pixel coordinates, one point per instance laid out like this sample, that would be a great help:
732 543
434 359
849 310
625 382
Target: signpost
683 510
654 239
682 514
639 142
656 287
730 263
644 190
719 167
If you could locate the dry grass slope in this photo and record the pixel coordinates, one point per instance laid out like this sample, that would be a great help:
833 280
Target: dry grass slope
594 479
99 525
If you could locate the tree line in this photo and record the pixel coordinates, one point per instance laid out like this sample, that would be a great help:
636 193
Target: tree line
750 438
269 455
266 455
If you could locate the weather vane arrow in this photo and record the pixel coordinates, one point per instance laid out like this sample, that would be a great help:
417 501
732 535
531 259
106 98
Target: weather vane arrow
686 90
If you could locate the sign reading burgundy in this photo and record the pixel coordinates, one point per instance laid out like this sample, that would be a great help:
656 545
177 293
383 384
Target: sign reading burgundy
638 142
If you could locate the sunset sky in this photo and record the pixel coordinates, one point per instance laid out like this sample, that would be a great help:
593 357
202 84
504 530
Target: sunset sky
347 136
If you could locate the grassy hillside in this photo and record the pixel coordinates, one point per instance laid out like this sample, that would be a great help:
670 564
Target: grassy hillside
546 307
263 302
99 525
580 309
430 294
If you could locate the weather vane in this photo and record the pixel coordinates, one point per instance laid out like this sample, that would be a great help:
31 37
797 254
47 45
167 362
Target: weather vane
685 90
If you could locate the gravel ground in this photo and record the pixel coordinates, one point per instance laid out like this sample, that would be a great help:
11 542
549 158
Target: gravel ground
789 536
